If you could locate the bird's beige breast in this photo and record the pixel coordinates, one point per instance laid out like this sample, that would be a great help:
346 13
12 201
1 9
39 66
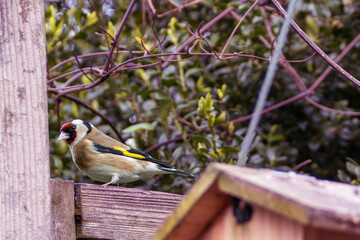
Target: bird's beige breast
82 154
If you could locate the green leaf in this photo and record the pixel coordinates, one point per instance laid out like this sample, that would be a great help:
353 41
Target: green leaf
58 163
231 127
137 127
352 160
81 35
142 74
352 168
201 110
177 152
199 139
192 71
208 102
311 27
161 96
147 93
200 85
221 118
213 155
203 150
211 120
61 148
343 176
169 82
75 109
220 94
170 70
229 149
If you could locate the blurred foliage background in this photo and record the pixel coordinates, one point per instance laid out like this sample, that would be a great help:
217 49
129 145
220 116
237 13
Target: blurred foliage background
199 97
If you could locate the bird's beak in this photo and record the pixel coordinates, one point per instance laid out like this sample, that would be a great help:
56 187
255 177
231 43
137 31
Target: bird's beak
63 136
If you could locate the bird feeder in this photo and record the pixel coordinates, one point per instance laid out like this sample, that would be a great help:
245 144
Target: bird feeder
230 202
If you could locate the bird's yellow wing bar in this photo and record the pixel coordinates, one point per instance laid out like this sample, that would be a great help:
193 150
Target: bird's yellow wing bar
129 154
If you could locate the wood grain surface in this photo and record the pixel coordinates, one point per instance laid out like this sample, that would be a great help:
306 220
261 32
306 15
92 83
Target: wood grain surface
62 209
120 213
302 202
306 199
24 138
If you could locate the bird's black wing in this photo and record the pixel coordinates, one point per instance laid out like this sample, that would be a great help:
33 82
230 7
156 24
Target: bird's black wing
132 153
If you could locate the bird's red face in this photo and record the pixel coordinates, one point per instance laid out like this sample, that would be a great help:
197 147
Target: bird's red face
68 133
74 130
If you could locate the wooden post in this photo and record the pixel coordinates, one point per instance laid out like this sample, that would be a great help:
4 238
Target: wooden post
62 209
24 146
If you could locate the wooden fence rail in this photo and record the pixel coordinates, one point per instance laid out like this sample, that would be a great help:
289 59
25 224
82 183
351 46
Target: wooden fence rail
88 211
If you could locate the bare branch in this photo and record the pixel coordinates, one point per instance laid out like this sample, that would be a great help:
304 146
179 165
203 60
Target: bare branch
316 48
237 26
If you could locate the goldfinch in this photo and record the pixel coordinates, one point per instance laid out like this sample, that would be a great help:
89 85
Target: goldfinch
107 160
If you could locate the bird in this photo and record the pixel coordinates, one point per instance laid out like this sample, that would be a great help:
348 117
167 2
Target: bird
107 160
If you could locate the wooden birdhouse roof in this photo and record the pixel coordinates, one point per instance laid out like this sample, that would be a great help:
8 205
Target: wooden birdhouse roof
305 199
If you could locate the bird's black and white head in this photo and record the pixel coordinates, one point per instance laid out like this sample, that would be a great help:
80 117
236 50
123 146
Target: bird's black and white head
73 131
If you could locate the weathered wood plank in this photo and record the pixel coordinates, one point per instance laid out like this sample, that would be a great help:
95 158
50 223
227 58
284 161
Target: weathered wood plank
24 138
62 209
309 202
120 213
193 198
195 221
312 233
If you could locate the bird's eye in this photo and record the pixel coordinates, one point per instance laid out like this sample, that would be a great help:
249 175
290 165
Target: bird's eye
73 127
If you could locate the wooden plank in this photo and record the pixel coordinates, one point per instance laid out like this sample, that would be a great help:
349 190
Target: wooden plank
264 225
25 202
186 224
201 215
120 213
311 201
312 233
62 209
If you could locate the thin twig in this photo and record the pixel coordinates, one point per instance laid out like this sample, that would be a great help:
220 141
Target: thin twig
177 9
102 26
82 71
316 48
202 30
117 35
237 26
306 162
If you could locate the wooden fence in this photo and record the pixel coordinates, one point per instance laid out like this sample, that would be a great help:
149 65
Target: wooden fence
97 212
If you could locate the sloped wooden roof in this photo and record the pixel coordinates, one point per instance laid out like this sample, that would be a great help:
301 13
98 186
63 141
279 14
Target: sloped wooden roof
310 201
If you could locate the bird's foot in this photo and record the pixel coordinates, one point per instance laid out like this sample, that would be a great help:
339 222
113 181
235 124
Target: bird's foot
114 180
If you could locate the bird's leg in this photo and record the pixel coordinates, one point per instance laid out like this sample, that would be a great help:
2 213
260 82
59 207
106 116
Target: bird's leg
114 180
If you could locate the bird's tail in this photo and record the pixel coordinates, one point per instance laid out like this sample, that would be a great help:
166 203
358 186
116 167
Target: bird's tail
177 172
